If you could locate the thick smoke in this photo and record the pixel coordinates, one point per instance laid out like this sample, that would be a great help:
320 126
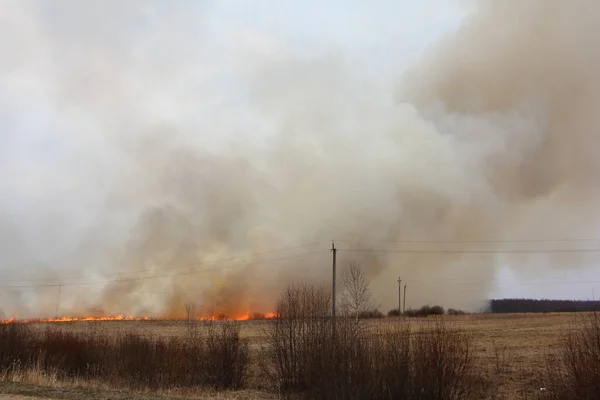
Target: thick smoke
155 156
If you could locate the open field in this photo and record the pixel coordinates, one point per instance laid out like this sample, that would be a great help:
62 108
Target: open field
511 348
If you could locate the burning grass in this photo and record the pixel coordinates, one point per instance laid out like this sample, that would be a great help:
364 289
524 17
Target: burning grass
121 317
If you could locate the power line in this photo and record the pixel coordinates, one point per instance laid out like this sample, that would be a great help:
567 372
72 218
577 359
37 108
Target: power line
298 256
451 251
492 241
240 259
132 272
496 283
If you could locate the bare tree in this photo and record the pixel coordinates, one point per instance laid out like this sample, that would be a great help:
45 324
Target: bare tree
191 313
357 296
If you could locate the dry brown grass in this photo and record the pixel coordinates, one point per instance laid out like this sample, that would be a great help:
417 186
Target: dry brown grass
512 348
38 383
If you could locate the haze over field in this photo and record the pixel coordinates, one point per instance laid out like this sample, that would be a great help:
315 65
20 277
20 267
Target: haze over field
143 141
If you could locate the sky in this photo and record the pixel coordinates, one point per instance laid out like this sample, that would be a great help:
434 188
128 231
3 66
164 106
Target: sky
77 77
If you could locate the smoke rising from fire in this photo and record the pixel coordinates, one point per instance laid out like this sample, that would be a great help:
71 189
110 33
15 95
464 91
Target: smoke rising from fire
142 145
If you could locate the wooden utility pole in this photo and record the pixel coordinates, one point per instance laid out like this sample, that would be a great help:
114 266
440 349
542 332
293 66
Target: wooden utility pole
404 310
58 299
399 296
334 252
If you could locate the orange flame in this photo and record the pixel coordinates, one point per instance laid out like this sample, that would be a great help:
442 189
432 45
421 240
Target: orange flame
121 317
244 317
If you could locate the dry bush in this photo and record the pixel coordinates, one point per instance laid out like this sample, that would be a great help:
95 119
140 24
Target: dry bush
226 356
391 369
69 354
425 311
217 359
302 324
393 313
444 365
371 314
453 311
575 372
308 360
141 362
15 346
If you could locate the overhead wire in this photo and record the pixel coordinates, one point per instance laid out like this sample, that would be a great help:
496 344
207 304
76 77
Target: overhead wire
484 251
512 283
247 263
450 241
164 267
195 271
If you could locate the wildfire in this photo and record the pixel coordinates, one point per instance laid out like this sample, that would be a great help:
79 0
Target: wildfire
121 317
244 317
241 317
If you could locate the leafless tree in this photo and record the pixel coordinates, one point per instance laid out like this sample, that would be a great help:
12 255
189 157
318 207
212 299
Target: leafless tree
357 297
191 313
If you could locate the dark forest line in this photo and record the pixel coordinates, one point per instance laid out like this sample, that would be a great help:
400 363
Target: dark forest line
541 306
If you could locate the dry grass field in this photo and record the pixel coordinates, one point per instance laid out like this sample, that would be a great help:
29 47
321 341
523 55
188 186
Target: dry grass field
511 348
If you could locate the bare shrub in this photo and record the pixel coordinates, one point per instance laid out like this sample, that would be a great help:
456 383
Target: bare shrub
301 323
227 356
425 311
393 313
191 319
575 372
371 314
411 313
15 346
307 360
444 366
140 361
69 354
217 359
386 366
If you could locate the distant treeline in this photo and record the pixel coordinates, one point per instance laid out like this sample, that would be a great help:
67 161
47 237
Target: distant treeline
541 306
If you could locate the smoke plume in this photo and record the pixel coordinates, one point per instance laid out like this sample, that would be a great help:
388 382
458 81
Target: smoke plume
147 166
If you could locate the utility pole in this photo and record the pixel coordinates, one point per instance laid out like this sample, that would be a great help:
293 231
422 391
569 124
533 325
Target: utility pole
58 300
399 296
334 252
333 316
404 310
